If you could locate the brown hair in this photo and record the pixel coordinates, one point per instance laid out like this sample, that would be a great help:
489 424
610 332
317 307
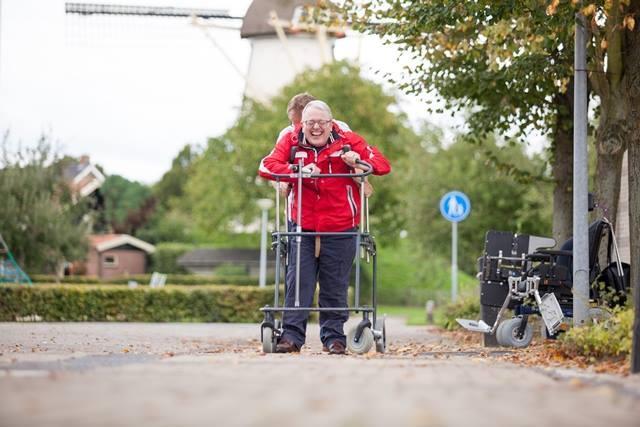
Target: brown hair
299 101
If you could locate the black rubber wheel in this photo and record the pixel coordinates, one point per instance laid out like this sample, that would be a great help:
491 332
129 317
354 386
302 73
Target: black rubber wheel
363 345
381 342
268 340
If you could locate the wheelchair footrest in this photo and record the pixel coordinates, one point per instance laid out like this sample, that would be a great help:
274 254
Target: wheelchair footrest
551 312
474 325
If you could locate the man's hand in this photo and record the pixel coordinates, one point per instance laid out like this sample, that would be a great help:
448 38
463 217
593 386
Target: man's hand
284 188
350 158
310 169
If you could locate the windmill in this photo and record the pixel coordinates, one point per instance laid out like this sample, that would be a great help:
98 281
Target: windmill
282 45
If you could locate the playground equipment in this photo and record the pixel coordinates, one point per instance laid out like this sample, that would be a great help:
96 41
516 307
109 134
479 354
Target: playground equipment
10 271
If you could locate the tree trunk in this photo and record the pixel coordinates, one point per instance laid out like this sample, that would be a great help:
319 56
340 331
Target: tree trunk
632 100
562 168
634 228
611 136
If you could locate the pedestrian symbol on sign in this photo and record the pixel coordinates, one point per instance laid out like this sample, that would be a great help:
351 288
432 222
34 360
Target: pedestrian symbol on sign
455 206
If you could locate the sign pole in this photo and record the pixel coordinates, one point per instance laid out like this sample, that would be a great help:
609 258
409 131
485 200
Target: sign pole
454 207
454 261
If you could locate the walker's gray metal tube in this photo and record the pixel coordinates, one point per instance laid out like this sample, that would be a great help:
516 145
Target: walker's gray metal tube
299 230
278 204
580 179
262 280
278 260
374 299
356 302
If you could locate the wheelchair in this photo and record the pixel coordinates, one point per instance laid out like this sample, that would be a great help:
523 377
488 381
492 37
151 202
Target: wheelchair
522 273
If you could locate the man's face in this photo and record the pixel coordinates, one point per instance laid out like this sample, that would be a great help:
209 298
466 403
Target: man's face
295 116
316 125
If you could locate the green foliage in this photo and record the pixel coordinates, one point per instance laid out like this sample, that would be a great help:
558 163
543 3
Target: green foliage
38 219
57 303
498 201
224 187
167 226
507 63
122 197
171 185
407 277
611 337
467 307
414 315
172 279
165 258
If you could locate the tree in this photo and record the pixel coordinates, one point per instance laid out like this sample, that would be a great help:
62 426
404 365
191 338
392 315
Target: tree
507 65
224 187
127 203
468 53
614 64
171 185
38 218
499 200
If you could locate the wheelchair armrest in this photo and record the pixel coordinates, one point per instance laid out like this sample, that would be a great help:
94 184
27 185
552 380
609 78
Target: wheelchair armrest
539 257
554 252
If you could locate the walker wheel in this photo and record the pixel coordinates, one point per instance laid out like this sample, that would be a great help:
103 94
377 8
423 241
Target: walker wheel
268 340
381 341
363 345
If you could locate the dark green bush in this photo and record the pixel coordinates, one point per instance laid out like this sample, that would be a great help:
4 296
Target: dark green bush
467 307
611 337
172 279
118 303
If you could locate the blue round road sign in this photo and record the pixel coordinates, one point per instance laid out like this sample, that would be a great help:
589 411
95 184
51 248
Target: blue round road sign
455 206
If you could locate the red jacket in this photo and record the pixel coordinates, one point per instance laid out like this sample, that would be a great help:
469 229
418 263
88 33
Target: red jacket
328 204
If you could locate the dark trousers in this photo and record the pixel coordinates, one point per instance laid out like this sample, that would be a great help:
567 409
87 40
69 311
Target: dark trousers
332 269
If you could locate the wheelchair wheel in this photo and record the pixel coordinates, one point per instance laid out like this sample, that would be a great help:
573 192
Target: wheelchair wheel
598 314
498 334
508 334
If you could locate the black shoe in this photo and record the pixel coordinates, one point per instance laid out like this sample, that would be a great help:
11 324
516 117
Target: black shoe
286 346
337 347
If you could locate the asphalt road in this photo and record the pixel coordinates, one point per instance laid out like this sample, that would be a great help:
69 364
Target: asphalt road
128 374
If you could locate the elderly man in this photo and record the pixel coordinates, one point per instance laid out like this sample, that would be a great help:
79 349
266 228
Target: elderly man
328 205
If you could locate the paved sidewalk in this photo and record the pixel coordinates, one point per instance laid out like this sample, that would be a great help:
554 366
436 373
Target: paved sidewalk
113 374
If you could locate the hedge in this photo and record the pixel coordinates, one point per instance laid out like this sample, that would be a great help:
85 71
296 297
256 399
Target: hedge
144 279
52 303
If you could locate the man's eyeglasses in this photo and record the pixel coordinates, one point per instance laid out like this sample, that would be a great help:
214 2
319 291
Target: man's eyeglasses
321 123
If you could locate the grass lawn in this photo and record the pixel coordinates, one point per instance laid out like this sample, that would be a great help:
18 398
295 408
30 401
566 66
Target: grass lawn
414 315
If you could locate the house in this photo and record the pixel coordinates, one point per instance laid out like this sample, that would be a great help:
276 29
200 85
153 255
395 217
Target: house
208 261
117 255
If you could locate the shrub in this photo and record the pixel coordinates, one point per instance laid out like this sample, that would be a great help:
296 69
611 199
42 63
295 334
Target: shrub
467 307
143 279
611 337
118 303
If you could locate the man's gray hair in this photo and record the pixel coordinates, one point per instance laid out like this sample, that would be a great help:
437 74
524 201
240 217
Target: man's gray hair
318 105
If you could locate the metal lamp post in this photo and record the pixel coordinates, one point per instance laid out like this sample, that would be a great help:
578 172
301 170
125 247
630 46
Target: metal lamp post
264 205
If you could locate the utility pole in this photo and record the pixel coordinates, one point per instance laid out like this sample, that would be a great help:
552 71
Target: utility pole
580 178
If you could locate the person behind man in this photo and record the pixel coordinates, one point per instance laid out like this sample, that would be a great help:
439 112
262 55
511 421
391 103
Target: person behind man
328 205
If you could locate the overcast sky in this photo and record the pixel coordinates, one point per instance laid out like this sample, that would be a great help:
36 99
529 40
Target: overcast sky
131 91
